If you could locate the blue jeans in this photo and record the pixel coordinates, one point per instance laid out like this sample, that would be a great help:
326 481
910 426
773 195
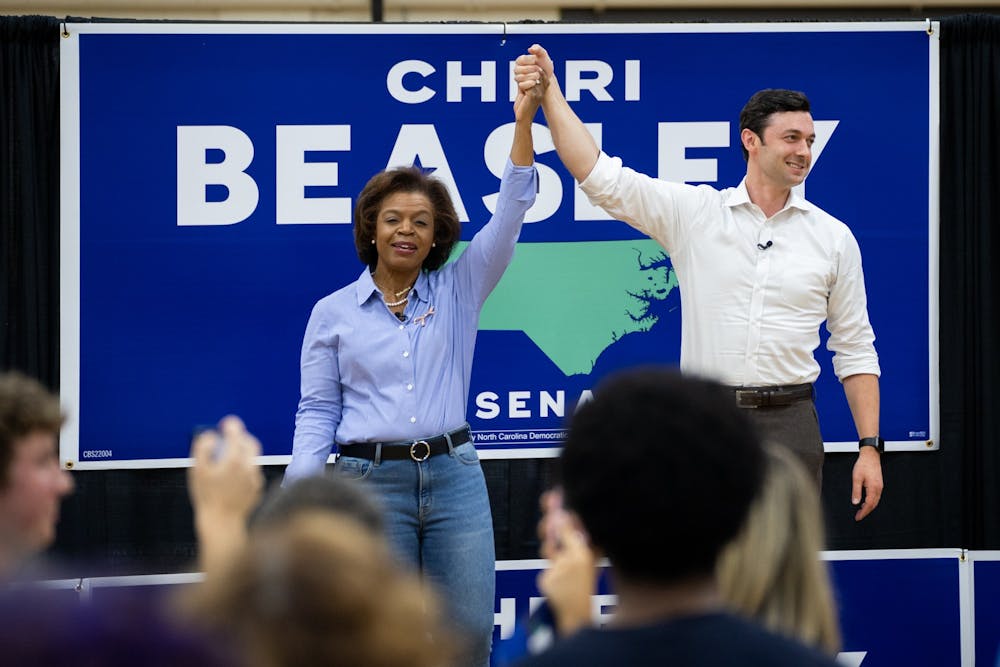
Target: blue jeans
438 518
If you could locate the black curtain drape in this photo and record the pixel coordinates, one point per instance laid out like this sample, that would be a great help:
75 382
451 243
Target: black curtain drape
969 287
29 196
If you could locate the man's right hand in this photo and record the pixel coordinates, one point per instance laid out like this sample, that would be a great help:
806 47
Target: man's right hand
536 58
574 143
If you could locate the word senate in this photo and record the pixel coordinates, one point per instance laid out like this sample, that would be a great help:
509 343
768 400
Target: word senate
525 405
216 157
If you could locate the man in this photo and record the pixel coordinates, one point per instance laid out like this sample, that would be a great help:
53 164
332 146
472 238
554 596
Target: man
760 269
31 482
661 469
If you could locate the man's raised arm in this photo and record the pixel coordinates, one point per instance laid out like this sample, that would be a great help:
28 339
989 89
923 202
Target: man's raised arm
575 145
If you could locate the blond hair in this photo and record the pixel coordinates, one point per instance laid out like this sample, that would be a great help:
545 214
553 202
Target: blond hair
321 590
772 571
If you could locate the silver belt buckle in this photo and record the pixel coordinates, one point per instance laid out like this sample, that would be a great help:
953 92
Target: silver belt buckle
413 451
740 394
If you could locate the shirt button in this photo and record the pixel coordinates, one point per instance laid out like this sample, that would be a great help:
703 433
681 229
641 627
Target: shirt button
413 420
401 327
406 354
409 387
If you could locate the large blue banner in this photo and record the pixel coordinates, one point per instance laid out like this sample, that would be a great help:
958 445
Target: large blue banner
210 172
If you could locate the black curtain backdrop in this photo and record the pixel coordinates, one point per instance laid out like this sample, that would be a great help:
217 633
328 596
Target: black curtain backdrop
139 521
29 196
969 287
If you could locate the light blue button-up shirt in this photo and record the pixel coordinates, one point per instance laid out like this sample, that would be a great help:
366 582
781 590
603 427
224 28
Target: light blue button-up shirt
367 377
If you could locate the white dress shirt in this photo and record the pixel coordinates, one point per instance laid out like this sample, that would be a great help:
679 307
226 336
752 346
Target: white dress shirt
754 290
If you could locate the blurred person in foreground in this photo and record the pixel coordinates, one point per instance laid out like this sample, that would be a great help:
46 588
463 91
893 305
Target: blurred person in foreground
772 572
311 579
321 589
225 485
386 364
49 628
32 485
331 493
661 470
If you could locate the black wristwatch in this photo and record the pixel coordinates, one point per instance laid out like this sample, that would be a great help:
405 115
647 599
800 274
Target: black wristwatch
877 442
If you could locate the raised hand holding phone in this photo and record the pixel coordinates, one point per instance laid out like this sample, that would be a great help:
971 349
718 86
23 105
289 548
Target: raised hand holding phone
225 485
571 578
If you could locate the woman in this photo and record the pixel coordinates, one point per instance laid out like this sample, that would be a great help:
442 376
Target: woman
772 571
386 363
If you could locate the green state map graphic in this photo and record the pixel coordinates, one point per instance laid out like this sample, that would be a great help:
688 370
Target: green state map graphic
573 300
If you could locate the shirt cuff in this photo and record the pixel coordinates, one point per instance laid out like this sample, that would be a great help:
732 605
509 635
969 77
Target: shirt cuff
519 183
846 368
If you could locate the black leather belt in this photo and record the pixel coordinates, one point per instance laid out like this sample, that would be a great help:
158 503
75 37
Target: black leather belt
417 450
772 397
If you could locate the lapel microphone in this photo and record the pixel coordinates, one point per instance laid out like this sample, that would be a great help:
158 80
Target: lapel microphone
765 246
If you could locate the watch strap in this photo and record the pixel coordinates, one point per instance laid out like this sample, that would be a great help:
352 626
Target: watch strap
875 441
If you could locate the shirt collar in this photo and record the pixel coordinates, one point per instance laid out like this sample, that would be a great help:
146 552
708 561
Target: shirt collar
795 200
365 286
739 196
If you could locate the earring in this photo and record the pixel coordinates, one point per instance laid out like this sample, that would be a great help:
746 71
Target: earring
373 241
434 245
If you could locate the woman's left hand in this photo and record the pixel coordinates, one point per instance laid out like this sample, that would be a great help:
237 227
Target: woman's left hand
531 86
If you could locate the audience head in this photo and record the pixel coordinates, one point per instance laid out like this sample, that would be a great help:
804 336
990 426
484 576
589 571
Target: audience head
322 492
31 482
772 571
661 469
321 589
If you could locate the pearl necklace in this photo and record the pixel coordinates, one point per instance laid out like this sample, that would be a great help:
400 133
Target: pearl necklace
393 304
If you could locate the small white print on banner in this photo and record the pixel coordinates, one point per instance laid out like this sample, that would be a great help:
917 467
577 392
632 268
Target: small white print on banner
518 437
552 435
97 454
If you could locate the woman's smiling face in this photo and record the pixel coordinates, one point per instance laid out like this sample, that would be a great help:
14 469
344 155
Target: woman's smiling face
404 231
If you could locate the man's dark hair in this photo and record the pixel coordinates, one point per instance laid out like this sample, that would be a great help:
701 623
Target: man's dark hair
323 493
25 407
447 227
661 468
756 114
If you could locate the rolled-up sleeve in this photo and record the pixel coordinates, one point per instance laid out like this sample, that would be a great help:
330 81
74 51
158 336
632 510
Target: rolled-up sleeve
852 339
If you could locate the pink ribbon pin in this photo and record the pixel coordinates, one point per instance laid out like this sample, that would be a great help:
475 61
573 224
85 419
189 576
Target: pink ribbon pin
422 319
